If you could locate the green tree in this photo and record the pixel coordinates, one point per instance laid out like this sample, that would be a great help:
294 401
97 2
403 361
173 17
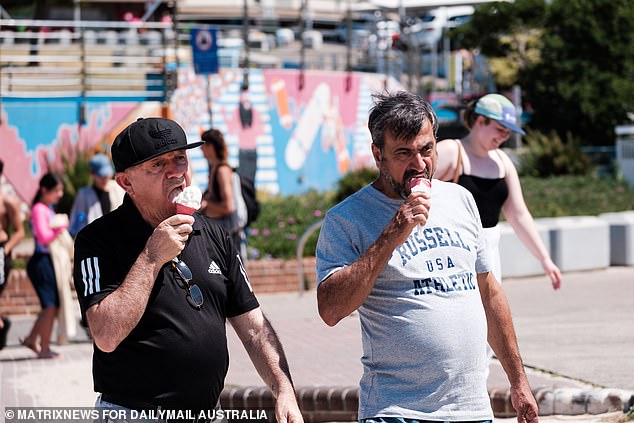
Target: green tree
509 34
584 82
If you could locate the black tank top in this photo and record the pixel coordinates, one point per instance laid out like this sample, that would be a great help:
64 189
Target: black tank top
489 194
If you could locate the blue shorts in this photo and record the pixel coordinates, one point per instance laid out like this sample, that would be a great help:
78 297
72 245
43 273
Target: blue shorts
404 420
42 276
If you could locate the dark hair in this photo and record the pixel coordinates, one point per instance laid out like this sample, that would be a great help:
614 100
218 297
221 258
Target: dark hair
1 167
47 182
215 138
401 115
469 115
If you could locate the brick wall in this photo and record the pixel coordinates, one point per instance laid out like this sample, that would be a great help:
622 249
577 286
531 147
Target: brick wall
266 276
269 276
19 296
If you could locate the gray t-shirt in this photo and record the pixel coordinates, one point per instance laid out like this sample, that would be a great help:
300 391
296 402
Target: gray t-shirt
423 325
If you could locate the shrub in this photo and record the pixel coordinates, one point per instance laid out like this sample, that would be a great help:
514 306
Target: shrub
74 170
354 181
576 195
283 220
547 155
76 176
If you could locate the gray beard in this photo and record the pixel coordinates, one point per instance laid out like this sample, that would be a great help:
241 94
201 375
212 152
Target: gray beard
389 181
399 188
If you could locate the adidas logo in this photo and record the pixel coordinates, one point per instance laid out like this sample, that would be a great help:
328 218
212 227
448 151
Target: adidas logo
214 269
160 133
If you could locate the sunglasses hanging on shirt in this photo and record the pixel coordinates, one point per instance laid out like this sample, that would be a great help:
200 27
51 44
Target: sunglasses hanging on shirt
193 295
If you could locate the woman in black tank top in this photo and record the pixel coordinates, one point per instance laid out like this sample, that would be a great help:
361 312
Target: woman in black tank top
477 163
218 202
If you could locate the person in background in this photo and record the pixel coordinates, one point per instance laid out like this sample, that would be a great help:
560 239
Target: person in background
157 289
477 163
11 233
40 266
103 196
218 201
412 264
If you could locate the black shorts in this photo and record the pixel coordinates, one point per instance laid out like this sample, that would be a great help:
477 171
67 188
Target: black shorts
42 274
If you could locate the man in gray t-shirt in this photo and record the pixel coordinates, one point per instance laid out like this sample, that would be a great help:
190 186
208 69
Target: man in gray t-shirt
411 263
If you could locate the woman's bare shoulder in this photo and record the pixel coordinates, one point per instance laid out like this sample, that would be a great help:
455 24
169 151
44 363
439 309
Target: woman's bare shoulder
447 158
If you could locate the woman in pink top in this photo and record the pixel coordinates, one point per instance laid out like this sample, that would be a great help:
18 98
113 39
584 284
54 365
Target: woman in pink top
40 267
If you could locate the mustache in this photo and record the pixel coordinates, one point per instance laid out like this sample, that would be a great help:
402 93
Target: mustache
413 174
176 182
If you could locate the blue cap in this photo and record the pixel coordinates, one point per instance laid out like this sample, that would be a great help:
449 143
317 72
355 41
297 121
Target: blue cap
100 165
500 109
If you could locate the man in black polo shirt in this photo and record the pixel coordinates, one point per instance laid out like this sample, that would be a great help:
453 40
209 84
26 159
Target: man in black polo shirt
156 288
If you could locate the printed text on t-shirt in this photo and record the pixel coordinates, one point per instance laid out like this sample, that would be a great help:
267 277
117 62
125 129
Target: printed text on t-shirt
429 239
462 281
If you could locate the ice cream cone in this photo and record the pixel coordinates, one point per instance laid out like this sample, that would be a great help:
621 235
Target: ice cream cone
188 201
420 185
183 209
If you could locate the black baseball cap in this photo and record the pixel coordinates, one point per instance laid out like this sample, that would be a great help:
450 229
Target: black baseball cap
146 139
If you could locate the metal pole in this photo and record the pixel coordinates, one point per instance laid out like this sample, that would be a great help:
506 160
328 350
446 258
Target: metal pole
207 77
445 51
349 37
349 47
418 63
434 66
77 12
409 61
302 50
245 38
458 69
176 30
167 92
82 40
300 252
516 139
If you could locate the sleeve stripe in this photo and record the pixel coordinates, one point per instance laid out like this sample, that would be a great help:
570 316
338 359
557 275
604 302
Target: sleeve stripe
96 263
90 275
83 277
244 273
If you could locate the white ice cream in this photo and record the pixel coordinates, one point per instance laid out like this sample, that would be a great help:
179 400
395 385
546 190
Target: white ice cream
420 185
190 197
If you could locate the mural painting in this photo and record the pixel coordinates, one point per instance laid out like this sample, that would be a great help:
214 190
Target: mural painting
36 136
288 138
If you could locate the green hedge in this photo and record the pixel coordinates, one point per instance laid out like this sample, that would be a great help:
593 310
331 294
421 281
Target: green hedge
557 196
282 222
284 219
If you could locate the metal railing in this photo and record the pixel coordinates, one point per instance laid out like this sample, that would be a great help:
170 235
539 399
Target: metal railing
86 59
91 60
300 254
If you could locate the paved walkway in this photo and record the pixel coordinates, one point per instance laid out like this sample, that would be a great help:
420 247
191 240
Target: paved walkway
577 338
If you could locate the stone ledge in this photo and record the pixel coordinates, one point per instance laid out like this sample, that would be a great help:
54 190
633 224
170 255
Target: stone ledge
327 403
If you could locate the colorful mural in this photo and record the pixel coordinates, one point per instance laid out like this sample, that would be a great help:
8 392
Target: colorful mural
35 135
288 139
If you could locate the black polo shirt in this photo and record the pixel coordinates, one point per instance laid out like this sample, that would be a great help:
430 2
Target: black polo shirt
176 356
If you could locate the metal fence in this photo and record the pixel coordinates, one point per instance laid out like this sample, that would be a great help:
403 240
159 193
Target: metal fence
93 60
48 59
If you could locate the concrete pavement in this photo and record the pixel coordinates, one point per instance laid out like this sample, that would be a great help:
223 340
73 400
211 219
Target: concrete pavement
576 340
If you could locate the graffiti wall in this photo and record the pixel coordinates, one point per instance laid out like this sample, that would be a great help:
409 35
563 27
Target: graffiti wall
36 134
289 135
